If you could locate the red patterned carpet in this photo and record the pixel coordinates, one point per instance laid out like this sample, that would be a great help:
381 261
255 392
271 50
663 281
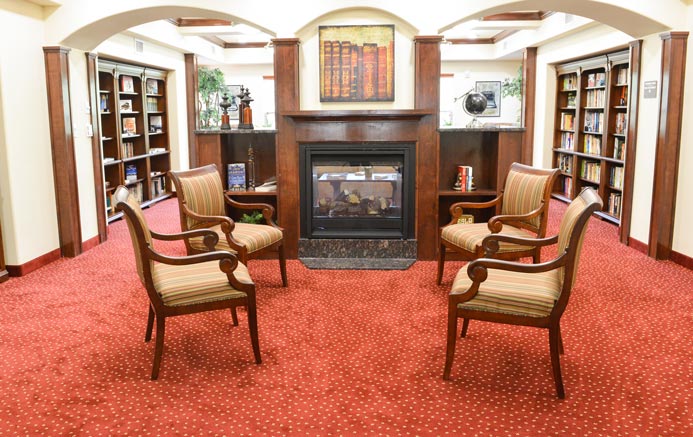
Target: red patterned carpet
345 352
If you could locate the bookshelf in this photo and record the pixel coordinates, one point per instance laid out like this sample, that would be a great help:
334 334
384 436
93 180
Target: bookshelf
591 129
133 124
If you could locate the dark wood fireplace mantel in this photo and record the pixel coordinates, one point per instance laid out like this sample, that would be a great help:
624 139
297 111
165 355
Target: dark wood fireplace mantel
358 115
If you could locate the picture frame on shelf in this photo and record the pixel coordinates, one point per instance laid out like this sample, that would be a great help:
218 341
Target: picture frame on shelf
152 86
491 89
234 91
236 176
127 84
126 105
129 126
357 63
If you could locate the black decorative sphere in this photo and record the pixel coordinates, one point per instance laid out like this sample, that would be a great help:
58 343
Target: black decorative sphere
474 103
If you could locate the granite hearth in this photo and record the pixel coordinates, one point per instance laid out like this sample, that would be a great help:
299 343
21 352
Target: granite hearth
356 254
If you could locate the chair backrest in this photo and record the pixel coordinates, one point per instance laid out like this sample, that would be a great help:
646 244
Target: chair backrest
139 231
525 189
571 235
201 190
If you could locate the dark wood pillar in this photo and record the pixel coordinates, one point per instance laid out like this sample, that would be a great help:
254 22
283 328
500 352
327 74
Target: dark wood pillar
63 149
286 82
191 88
427 97
93 88
529 86
668 144
631 140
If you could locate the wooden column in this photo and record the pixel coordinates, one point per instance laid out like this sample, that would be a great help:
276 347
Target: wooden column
529 86
631 140
93 88
286 82
63 149
191 89
427 97
668 144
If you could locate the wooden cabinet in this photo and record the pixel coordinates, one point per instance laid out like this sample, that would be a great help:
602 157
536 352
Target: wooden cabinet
591 129
489 152
134 132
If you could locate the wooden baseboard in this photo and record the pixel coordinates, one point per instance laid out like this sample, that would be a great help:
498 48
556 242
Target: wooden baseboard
681 259
4 275
90 243
637 245
34 264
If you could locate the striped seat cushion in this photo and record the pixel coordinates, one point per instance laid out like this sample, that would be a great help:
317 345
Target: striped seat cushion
524 294
254 237
469 236
196 283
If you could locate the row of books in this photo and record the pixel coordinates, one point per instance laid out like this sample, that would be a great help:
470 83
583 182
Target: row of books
621 123
569 82
590 170
568 140
616 178
128 150
620 148
353 72
594 121
158 186
465 178
596 79
614 204
152 104
103 102
567 121
593 144
571 100
595 98
565 163
622 76
568 186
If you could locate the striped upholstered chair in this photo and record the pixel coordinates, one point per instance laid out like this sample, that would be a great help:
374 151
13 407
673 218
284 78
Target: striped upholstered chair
523 294
179 285
202 204
523 206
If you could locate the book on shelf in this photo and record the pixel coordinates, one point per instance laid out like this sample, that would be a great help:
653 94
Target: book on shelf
158 186
621 123
155 123
152 104
128 150
569 82
619 148
131 173
568 186
616 177
155 150
567 121
268 185
614 204
595 98
127 84
594 121
126 105
107 159
465 178
103 103
152 86
568 140
565 163
236 176
129 125
137 191
590 171
622 76
596 79
571 100
593 144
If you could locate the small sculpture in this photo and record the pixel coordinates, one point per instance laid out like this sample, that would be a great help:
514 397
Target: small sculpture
225 112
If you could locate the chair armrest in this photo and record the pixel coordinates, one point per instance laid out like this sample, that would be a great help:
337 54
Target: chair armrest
266 209
490 243
208 236
227 224
227 264
457 208
495 223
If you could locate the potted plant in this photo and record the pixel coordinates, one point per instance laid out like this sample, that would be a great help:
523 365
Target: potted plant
211 87
512 87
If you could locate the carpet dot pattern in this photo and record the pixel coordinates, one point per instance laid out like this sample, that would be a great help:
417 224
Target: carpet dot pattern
345 352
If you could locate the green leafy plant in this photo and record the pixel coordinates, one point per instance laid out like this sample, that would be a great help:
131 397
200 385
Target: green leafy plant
211 87
254 217
513 87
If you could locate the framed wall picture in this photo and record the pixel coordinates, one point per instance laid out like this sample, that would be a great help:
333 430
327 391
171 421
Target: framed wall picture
234 91
492 91
357 63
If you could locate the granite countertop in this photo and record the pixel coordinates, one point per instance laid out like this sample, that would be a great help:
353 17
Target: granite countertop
482 129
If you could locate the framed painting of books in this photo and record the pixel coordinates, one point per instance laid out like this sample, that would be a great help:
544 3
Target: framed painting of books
357 63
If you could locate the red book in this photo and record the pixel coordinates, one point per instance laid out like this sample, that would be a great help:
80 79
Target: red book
346 70
382 73
391 71
370 71
336 69
354 72
327 69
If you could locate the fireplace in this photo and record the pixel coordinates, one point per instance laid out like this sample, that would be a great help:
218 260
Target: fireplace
355 190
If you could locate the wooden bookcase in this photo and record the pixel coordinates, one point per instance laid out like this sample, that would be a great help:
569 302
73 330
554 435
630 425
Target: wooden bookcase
591 129
133 124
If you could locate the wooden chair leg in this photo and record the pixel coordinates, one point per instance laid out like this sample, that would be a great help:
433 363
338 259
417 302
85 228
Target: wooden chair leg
536 258
234 316
150 325
554 339
452 338
252 327
465 325
282 266
159 349
560 340
441 263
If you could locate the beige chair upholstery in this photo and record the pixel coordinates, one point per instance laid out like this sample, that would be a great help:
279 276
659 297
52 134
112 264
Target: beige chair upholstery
189 284
523 207
202 204
523 294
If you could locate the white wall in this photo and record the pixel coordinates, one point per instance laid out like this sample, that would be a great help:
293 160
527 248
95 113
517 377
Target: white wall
27 196
261 90
466 74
